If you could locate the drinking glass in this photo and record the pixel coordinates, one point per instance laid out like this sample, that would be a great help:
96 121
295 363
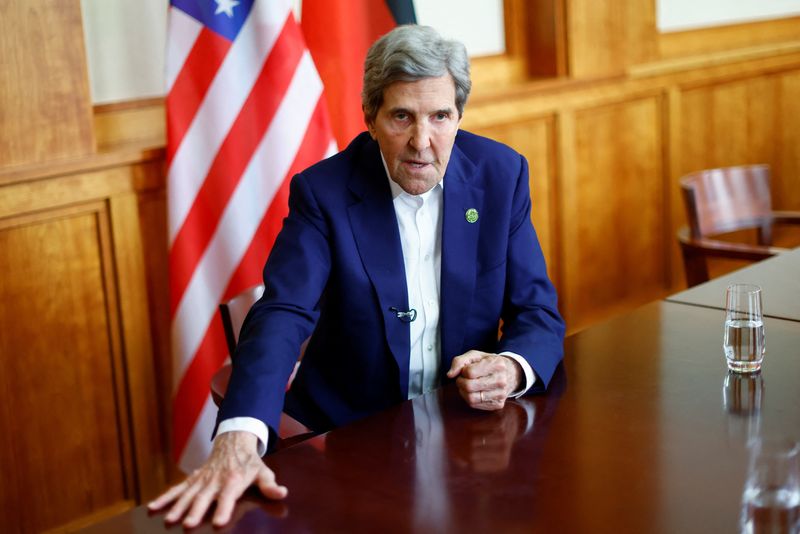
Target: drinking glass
771 498
744 340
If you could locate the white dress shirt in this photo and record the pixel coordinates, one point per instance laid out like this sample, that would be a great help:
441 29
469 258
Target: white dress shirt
419 220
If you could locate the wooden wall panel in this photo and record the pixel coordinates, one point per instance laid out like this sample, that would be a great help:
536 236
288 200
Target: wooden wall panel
786 183
605 38
614 218
153 217
535 141
61 362
45 106
730 123
728 37
80 401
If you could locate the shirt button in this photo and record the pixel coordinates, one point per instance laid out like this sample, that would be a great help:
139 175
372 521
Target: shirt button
427 257
430 347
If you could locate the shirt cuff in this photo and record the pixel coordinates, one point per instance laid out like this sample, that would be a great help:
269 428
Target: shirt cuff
530 376
247 424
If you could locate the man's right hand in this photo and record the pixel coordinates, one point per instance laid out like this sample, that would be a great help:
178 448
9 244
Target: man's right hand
234 465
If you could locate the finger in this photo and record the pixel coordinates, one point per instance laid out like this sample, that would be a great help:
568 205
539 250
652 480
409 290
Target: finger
488 400
269 488
498 382
168 496
471 385
183 502
233 488
225 504
459 362
200 506
489 365
493 405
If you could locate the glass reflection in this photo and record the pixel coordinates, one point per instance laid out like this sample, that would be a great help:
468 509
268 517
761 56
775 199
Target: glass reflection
771 496
742 398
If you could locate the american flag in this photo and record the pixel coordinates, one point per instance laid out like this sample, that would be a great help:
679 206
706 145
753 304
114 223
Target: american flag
245 111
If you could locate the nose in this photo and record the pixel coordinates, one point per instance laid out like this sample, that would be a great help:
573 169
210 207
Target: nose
420 136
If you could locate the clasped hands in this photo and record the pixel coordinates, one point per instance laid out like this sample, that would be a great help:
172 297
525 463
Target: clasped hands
484 381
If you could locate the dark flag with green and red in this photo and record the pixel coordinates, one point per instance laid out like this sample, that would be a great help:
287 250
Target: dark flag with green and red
338 34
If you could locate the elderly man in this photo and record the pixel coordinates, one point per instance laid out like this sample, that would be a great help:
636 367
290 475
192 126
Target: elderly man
400 257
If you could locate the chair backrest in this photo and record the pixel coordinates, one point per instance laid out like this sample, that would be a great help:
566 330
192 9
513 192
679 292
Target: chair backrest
727 199
235 310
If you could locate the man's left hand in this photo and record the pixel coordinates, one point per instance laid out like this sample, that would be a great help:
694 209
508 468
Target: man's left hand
485 380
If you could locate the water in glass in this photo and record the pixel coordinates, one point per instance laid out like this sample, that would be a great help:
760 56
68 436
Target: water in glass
744 344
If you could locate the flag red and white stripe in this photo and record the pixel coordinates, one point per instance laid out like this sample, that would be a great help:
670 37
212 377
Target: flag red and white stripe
245 111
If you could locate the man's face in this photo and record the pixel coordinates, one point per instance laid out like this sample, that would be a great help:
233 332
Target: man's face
415 127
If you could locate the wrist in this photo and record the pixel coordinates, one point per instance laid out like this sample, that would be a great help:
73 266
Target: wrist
515 374
237 438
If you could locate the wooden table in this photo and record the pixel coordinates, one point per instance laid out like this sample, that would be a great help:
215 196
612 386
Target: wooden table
642 430
779 278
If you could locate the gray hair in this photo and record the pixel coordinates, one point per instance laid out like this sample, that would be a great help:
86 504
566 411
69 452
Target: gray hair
410 53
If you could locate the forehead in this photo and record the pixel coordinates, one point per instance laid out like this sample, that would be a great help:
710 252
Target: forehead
427 93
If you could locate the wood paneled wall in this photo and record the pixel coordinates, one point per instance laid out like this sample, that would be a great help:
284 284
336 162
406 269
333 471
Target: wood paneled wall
80 401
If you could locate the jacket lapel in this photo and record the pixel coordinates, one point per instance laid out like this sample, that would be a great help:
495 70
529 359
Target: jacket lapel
459 253
374 226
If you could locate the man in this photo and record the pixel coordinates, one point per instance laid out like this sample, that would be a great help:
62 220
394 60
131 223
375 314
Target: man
399 258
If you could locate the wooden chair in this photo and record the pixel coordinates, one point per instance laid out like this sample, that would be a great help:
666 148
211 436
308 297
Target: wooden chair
232 313
726 200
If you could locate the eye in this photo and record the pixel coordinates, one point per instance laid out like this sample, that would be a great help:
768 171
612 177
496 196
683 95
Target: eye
442 116
401 116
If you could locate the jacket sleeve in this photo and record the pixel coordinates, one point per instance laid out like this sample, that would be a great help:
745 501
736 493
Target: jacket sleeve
295 276
532 326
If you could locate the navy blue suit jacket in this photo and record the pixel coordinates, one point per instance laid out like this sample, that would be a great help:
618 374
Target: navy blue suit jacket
337 268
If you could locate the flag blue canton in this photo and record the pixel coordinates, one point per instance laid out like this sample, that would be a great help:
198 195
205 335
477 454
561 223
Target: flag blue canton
205 11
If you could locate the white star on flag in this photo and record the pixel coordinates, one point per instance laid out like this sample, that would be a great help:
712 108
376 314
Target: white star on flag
226 6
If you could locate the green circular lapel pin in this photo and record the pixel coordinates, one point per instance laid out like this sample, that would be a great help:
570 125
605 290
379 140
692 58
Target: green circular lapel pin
471 215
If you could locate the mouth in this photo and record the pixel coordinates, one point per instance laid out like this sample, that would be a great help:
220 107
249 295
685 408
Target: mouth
416 164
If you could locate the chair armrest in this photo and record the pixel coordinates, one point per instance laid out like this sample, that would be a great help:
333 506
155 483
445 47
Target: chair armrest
726 249
786 217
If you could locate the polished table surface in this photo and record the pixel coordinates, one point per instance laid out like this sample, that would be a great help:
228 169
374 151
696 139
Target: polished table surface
778 276
642 430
